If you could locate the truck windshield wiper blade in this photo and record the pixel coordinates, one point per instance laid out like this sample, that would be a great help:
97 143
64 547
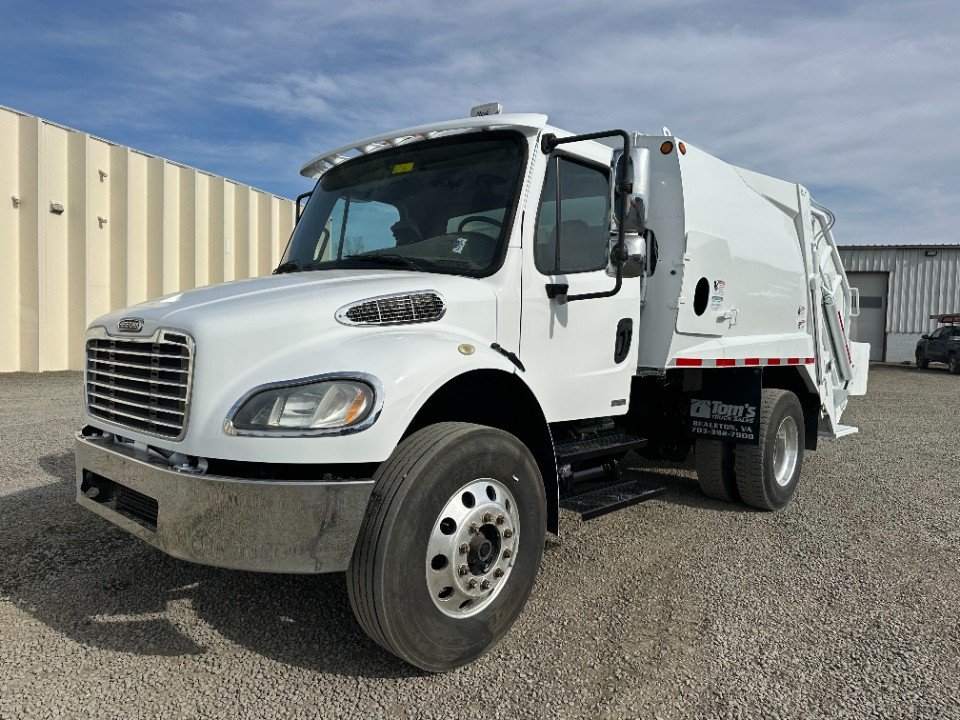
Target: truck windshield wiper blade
389 259
289 266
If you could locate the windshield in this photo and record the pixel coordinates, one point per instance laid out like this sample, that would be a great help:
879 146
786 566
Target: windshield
437 206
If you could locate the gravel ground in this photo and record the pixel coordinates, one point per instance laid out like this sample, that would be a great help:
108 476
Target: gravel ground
845 604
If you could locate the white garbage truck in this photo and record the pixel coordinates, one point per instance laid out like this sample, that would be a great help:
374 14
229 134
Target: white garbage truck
474 322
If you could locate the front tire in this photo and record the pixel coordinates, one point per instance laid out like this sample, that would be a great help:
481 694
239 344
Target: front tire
953 363
767 473
922 362
453 497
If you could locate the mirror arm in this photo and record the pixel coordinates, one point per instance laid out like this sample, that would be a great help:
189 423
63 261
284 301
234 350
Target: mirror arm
548 144
300 198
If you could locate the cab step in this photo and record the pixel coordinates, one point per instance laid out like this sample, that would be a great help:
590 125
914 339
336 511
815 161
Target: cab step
594 503
578 451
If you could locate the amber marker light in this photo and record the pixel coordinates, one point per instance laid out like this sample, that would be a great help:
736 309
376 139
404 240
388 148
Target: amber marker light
682 148
666 148
356 408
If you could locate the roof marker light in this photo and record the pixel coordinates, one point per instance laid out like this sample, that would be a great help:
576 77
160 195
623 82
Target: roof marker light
667 147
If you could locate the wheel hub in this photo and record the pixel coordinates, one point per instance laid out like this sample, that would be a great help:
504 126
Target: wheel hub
484 549
472 547
786 451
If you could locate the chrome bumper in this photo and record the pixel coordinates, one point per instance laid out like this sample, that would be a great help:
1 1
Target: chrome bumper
263 525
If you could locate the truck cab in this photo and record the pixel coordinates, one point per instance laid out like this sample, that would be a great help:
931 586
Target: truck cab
473 321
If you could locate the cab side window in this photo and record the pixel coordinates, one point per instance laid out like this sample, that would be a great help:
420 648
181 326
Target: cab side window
583 214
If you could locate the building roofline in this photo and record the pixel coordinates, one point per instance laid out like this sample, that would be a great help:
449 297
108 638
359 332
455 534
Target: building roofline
927 246
114 143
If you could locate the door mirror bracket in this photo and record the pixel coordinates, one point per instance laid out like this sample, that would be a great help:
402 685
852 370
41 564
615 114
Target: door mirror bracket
624 188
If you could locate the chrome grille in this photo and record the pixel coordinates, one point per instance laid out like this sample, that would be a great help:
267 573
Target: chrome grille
141 383
394 309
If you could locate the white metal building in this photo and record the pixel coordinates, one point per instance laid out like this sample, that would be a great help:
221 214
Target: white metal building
88 226
901 286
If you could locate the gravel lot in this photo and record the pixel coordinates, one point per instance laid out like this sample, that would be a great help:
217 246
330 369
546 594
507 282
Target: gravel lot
845 604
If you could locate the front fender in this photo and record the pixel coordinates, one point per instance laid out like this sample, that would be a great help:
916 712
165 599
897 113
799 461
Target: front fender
410 363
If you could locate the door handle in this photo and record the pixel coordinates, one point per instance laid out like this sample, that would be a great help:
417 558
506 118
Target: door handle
558 292
732 314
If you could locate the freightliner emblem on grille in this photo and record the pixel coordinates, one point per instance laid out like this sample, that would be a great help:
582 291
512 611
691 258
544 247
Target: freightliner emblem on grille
130 325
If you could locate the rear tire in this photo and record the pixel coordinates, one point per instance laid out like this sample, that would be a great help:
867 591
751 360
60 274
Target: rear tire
715 470
404 581
767 473
922 362
953 362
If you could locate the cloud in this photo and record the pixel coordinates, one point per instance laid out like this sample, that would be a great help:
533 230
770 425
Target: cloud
857 100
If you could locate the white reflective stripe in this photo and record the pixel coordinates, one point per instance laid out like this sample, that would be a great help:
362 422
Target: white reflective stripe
740 362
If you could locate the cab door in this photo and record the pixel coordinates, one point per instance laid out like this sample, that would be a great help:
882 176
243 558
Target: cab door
936 345
579 356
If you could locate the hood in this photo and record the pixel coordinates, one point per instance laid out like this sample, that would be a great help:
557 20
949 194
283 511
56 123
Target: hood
297 300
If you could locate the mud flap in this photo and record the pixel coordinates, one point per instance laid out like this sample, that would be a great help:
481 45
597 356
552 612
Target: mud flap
726 406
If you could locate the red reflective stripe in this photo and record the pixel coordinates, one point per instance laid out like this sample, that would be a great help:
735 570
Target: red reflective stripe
689 362
793 361
773 361
752 361
726 362
811 361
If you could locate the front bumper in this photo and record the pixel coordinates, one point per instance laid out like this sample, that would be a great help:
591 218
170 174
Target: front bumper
262 525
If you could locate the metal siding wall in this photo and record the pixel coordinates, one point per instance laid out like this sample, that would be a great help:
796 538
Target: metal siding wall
134 227
919 285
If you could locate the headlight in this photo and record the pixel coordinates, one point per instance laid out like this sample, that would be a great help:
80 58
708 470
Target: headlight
304 408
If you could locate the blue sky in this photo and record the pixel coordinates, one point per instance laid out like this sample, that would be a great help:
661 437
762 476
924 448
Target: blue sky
860 101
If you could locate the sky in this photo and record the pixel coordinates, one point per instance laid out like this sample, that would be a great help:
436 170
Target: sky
857 100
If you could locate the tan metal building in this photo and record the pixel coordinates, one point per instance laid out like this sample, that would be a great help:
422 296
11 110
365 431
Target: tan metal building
901 286
88 226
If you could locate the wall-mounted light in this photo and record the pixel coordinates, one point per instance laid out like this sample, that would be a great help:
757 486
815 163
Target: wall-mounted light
931 253
103 175
56 208
16 201
102 221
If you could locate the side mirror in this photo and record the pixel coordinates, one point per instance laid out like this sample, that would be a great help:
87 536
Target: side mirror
924 337
636 260
635 221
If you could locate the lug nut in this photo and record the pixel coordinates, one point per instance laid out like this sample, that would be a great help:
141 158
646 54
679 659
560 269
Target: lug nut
473 528
464 548
507 552
463 570
498 572
472 584
485 585
487 517
501 519
508 533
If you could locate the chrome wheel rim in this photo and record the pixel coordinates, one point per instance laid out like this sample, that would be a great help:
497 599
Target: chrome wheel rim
786 450
472 547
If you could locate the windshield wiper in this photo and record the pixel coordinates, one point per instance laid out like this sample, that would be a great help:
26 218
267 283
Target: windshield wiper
289 266
389 259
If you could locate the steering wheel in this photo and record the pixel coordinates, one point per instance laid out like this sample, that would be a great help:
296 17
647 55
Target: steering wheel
478 218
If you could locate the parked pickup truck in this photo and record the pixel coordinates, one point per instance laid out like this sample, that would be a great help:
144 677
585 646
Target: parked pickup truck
474 321
942 345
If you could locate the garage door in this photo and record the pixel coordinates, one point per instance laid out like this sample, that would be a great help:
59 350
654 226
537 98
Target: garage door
871 326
